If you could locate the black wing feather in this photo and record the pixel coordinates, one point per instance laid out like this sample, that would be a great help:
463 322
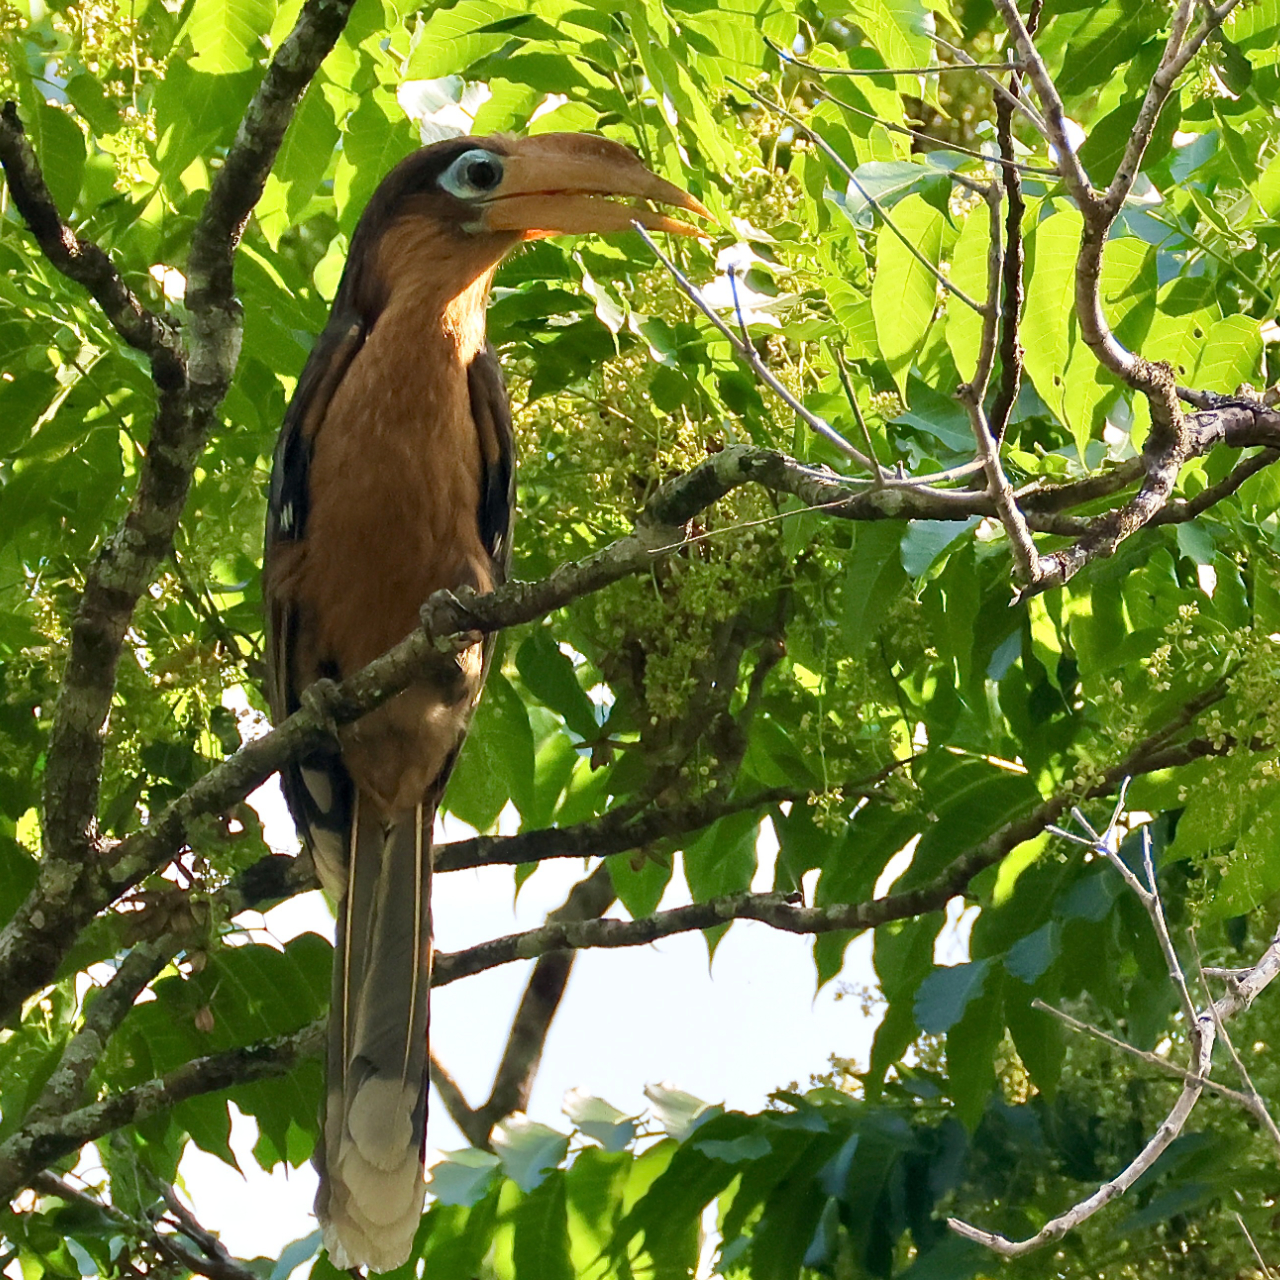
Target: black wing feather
491 412
318 788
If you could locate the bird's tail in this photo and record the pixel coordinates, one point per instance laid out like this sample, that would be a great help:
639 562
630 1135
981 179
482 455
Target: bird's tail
370 1154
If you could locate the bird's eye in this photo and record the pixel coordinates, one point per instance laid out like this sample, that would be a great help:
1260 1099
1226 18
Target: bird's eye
473 174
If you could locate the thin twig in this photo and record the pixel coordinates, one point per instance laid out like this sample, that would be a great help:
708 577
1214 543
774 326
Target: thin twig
1143 1055
921 136
1202 1032
84 262
940 278
786 56
748 352
1018 104
1253 1099
878 475
1053 123
1011 353
1267 1273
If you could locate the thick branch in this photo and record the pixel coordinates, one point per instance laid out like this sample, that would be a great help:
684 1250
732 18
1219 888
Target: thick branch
42 1142
71 889
238 186
105 1009
67 897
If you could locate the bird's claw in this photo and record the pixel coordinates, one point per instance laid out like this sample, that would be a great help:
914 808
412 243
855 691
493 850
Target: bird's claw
443 615
319 699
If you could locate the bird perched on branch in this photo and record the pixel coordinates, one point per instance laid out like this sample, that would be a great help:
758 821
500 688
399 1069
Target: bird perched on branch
393 478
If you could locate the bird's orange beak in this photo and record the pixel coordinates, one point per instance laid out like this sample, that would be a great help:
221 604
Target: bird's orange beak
568 183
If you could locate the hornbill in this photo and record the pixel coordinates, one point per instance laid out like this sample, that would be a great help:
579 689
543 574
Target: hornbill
393 477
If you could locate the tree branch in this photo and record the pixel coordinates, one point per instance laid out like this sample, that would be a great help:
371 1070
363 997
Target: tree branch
1202 1030
66 897
214 1261
84 262
44 1142
237 187
71 887
513 1081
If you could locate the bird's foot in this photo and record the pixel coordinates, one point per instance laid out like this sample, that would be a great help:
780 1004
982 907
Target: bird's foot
444 616
319 699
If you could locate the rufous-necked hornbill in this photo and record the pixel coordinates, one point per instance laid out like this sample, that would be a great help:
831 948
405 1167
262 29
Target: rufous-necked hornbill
394 478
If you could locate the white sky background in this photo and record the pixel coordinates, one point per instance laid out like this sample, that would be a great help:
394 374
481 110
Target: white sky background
731 1032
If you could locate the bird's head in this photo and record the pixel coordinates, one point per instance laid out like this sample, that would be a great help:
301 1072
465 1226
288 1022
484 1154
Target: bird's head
455 209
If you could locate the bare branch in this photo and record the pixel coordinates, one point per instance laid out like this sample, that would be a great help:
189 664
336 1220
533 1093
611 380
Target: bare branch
214 1261
1143 1055
1253 1100
1177 54
44 1141
1202 1031
41 932
513 1082
1058 1227
877 474
785 55
105 1010
973 394
1013 284
778 910
1267 1273
72 887
931 143
998 89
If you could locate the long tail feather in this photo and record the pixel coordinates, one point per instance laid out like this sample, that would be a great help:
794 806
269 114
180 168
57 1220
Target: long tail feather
370 1160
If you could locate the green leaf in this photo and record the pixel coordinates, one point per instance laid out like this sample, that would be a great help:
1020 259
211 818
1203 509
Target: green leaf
945 994
462 1177
529 1151
541 1246
639 880
548 674
1032 954
971 1050
293 1255
968 273
497 761
1047 322
1253 873
904 292
451 39
225 34
753 1146
194 111
723 859
1229 355
604 1124
59 146
679 1113
874 579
